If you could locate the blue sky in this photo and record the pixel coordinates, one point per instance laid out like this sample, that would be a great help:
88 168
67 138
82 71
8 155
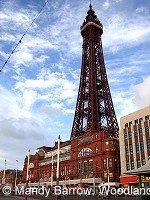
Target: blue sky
39 84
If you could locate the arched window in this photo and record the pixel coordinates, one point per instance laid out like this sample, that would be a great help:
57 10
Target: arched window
96 149
85 152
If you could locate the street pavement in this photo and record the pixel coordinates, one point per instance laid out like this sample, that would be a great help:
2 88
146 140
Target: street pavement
53 197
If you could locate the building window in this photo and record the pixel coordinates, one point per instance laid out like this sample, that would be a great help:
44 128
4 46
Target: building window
130 123
68 170
110 174
136 121
72 170
130 135
135 133
131 149
73 155
146 129
90 166
126 149
96 149
140 131
146 117
105 163
110 162
127 166
138 164
105 174
148 145
80 167
140 120
85 152
85 167
132 165
143 162
126 125
137 147
125 136
141 146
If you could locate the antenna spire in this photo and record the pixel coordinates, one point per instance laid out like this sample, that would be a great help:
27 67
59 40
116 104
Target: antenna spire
90 6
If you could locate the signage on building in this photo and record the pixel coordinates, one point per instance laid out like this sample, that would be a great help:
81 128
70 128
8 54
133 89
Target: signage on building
84 140
145 178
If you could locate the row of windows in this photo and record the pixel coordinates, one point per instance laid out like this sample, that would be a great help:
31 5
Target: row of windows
138 147
130 166
110 162
129 135
87 167
106 174
136 121
65 171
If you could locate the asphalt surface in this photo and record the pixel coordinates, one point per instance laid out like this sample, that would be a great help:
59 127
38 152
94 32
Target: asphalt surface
52 197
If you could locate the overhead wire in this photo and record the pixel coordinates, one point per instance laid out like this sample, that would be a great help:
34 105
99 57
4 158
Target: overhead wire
23 35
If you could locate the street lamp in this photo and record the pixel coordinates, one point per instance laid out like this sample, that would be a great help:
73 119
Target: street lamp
4 174
52 173
108 172
16 173
58 160
80 168
27 176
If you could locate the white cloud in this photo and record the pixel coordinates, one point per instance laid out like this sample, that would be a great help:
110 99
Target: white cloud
142 93
39 83
20 129
106 5
50 111
29 97
131 31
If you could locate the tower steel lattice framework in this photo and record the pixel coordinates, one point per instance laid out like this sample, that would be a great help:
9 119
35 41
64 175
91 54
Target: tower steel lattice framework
94 108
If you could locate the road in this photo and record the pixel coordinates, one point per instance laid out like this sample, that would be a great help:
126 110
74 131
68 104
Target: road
13 197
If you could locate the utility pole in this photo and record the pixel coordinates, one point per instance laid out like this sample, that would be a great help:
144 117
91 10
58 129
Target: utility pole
58 160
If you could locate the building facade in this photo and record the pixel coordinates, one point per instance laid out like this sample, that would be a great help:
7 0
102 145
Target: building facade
92 153
134 140
10 177
82 160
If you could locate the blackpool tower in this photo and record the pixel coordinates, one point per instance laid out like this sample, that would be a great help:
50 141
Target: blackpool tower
94 108
94 135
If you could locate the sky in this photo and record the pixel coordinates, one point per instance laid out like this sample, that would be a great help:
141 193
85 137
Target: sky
39 83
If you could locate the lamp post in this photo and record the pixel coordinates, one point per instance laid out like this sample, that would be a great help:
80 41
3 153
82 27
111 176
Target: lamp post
39 174
52 171
58 160
108 173
27 176
4 174
80 168
16 173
